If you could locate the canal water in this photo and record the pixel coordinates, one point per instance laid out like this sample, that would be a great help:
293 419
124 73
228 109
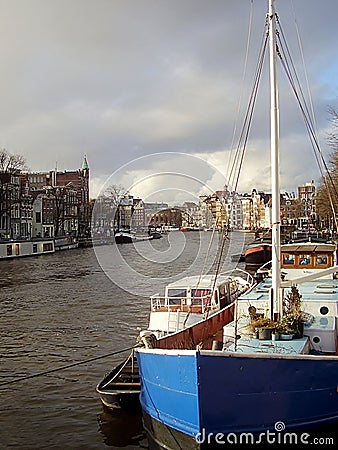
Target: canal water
74 305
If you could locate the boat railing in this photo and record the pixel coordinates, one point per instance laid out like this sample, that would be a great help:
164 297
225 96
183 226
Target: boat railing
200 304
240 274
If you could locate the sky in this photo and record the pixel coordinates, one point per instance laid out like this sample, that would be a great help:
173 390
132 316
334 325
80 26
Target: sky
153 91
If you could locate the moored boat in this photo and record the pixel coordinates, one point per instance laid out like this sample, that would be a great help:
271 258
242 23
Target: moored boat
190 390
65 243
120 389
281 381
124 237
257 254
21 248
207 301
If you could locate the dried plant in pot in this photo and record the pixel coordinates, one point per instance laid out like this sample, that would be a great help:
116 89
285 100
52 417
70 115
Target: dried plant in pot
291 323
262 327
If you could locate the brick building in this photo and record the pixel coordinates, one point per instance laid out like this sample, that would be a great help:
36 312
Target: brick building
70 193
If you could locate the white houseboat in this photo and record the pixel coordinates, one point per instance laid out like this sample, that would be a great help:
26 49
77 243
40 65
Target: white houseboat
16 249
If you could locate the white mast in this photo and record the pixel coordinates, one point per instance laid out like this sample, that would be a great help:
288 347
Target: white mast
274 123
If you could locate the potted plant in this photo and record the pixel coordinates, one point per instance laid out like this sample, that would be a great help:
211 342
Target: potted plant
262 327
291 325
287 326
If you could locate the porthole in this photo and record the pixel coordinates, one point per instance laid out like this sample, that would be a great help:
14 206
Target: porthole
324 310
316 339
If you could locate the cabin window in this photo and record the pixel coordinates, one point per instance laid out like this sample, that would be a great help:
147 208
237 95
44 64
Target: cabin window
200 292
35 248
324 310
199 295
9 250
289 259
47 247
175 296
177 292
321 260
304 259
17 249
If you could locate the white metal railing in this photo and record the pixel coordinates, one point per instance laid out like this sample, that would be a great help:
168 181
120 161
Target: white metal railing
159 302
238 273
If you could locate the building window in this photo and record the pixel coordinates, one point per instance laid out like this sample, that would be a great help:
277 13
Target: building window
38 217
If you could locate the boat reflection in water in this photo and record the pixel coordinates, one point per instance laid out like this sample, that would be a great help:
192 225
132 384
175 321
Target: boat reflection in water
122 429
121 420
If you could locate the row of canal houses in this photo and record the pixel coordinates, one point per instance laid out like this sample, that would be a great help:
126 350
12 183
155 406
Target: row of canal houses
52 204
247 211
252 211
45 204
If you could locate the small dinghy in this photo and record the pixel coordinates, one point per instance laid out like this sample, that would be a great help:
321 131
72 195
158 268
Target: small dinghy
121 387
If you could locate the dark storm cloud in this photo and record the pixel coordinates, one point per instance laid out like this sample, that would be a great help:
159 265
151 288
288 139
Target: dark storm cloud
121 79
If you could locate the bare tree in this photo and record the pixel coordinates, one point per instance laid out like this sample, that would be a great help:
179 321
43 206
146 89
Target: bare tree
10 163
115 192
333 136
327 193
106 209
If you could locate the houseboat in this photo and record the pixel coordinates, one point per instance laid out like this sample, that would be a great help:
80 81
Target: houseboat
20 248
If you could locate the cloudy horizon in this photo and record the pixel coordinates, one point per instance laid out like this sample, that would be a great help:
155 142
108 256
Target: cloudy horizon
119 81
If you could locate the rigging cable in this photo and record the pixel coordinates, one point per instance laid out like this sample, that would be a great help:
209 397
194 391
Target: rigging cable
304 66
291 74
242 87
249 115
244 135
200 276
243 138
228 176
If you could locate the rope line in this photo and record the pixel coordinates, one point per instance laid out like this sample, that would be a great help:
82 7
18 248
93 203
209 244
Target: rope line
47 372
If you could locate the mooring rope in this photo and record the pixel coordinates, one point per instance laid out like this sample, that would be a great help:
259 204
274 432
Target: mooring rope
47 372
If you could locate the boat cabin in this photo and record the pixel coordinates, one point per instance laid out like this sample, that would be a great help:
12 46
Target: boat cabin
196 294
192 299
301 264
306 258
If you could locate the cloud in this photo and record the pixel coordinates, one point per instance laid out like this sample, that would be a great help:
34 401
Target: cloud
118 80
167 176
